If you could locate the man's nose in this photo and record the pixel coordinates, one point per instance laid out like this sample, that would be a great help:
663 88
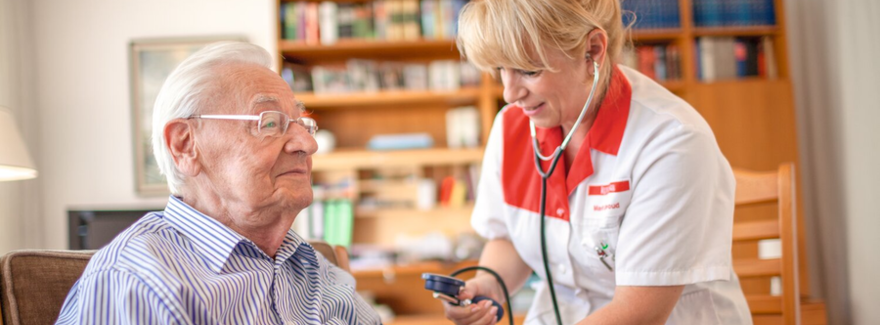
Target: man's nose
299 139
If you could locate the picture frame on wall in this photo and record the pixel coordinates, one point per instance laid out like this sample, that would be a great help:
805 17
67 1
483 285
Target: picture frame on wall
151 61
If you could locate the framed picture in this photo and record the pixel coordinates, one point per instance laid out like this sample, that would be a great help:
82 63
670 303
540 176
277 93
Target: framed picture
152 60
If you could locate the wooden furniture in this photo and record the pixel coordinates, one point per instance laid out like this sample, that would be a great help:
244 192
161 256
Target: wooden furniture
35 283
757 191
753 121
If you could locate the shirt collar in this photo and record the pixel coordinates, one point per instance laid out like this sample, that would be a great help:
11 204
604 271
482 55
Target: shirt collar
212 239
606 133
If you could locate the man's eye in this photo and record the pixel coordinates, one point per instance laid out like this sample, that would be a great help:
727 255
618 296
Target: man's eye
528 73
269 124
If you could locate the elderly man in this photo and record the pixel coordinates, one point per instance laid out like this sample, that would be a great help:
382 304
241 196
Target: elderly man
229 136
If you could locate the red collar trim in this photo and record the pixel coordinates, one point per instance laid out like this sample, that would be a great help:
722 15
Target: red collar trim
521 181
607 131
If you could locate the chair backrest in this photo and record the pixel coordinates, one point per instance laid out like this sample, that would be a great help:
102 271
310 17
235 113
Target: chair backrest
34 283
757 194
337 255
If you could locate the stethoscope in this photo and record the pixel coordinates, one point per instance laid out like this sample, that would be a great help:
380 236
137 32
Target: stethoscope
447 287
554 159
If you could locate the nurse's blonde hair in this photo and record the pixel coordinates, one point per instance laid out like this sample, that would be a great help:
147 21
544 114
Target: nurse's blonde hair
502 33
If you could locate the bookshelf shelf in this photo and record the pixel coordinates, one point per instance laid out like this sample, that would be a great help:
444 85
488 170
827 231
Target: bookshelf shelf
347 100
363 159
354 48
737 31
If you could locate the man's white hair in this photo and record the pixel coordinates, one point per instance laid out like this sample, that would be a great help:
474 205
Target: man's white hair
188 88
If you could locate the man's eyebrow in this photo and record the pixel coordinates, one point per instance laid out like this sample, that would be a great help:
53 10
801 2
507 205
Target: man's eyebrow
264 99
301 106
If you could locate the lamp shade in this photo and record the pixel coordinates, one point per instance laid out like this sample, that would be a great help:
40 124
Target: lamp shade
15 162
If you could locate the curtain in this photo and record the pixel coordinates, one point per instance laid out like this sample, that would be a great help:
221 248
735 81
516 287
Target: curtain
832 47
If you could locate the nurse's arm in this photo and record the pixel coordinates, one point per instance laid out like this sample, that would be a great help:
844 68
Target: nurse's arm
500 255
637 305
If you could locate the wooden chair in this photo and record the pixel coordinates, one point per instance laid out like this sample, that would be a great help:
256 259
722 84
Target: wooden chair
766 209
34 283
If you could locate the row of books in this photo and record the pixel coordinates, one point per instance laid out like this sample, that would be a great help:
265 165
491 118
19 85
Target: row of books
328 21
330 217
712 13
720 58
651 14
359 75
659 62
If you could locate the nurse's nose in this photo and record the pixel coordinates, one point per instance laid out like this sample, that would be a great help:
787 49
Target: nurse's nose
513 90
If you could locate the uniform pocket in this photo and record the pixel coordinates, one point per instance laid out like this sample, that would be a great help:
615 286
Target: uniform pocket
598 238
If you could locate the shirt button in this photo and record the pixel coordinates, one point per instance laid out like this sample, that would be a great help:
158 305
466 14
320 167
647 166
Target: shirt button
562 268
560 212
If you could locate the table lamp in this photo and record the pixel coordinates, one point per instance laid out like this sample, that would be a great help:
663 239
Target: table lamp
15 162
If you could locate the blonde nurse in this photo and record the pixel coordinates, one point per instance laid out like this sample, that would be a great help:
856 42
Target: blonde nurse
639 210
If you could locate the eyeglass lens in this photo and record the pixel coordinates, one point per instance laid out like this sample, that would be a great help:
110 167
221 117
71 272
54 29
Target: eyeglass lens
276 123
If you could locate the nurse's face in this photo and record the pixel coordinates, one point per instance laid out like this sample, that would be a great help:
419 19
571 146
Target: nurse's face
548 98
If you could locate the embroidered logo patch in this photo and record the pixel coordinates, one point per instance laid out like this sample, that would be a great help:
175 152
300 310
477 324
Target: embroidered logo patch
615 187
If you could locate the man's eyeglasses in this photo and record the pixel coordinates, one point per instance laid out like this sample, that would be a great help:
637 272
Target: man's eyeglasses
271 123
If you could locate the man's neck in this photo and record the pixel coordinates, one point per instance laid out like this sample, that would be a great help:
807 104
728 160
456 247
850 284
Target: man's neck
267 236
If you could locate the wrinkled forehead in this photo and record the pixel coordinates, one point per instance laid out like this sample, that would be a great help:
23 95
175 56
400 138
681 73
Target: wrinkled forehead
264 102
251 89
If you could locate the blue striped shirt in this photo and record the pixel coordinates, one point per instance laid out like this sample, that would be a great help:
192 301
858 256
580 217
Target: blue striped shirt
183 267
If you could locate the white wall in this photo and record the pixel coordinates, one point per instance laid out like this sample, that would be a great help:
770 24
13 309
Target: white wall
20 221
82 69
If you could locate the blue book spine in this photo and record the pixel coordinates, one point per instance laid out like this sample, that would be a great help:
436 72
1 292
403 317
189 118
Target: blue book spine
743 13
675 14
769 13
712 13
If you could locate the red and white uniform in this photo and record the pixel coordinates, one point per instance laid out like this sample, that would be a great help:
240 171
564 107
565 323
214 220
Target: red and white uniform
649 182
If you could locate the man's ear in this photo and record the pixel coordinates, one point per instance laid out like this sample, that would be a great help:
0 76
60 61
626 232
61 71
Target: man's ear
181 142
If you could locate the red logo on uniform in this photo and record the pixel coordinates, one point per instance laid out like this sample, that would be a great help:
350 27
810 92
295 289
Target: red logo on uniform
606 207
615 187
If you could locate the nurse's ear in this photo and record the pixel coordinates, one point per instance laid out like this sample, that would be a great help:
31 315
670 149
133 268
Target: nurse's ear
597 44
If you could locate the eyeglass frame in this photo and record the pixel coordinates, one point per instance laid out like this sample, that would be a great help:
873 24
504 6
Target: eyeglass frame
257 118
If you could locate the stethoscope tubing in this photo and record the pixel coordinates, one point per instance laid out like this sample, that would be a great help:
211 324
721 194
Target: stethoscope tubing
554 160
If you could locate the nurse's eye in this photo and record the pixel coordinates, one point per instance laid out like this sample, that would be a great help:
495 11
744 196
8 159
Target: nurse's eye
528 73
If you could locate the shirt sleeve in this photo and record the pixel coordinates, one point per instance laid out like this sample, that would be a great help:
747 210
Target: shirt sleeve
488 215
116 297
678 227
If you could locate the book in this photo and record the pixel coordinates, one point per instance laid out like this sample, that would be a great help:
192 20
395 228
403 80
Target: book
463 127
327 12
400 141
297 76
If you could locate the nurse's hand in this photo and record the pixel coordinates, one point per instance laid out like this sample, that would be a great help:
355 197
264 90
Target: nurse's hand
482 313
